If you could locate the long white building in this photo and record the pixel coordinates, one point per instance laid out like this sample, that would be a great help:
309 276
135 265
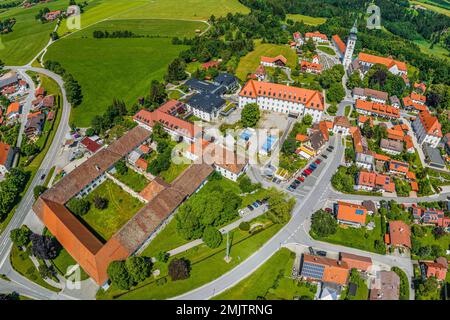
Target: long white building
284 99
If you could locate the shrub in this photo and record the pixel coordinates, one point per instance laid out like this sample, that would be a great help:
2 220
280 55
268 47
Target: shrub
78 206
162 256
244 226
179 269
323 224
100 202
212 237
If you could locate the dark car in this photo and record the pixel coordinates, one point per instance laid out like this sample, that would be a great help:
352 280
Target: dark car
43 177
311 250
324 156
259 202
331 147
321 253
250 208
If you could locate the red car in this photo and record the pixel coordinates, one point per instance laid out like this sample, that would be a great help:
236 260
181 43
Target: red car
318 161
301 179
308 172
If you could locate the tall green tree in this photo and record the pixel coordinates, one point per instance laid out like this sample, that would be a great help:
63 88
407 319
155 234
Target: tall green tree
250 115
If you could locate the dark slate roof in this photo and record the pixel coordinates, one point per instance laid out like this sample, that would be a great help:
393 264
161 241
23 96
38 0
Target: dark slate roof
206 102
225 79
434 155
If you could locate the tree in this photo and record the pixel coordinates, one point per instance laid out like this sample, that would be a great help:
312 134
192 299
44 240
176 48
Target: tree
279 206
212 237
73 90
250 115
90 132
54 36
78 206
157 94
244 226
307 119
119 275
323 224
121 167
179 269
246 185
100 202
176 71
138 268
43 247
20 236
38 190
163 256
354 81
46 271
335 93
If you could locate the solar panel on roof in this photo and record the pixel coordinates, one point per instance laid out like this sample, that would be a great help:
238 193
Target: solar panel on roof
311 270
359 211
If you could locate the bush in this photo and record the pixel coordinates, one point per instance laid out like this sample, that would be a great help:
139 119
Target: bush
323 224
244 226
404 283
38 190
138 268
43 247
163 256
100 202
212 237
179 269
160 282
119 275
78 206
20 236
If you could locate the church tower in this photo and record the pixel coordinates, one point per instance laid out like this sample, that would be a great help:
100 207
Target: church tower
351 41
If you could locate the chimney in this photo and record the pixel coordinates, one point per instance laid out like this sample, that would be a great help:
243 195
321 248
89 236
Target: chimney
97 167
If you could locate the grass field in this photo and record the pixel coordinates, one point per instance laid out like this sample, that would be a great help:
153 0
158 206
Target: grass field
173 172
113 68
206 265
251 61
186 9
132 179
437 50
121 207
313 21
429 239
433 7
358 238
22 263
29 35
271 281
327 50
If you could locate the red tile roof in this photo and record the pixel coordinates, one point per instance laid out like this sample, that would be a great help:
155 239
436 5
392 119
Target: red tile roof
316 34
13 108
377 108
351 212
334 271
4 152
356 262
408 103
388 62
430 123
310 98
399 234
274 59
91 145
305 65
340 44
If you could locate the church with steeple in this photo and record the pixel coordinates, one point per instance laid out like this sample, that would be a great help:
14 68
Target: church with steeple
345 51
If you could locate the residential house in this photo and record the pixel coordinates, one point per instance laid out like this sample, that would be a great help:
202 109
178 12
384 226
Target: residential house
395 101
311 67
357 262
341 125
297 36
282 98
427 129
370 206
13 110
412 105
392 147
210 64
275 62
8 79
377 109
420 87
316 37
433 157
90 145
229 81
52 15
350 214
370 94
371 181
398 167
326 270
437 268
399 234
6 157
34 124
387 287
205 106
430 216
364 161
362 120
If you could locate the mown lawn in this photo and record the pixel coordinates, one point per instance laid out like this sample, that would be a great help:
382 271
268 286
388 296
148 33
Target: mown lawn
186 9
22 263
251 61
327 50
207 264
121 207
132 179
173 172
63 261
429 5
29 35
358 238
112 68
271 281
313 21
437 50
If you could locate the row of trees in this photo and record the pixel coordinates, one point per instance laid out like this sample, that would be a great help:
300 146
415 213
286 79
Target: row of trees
99 34
72 87
114 115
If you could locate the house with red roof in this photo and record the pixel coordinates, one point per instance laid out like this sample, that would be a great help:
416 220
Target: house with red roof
311 67
13 110
398 167
282 98
427 129
377 109
430 216
437 268
316 36
350 214
6 157
371 181
90 145
52 15
297 36
420 87
278 61
399 235
210 64
339 45
366 61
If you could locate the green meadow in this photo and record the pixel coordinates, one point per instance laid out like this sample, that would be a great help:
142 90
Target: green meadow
186 9
29 35
118 68
312 21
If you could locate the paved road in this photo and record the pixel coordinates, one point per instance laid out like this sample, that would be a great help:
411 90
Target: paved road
287 234
24 208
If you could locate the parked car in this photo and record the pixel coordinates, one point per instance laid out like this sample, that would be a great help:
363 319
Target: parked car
290 188
329 210
324 156
259 202
331 147
43 177
311 250
301 179
321 253
255 205
313 165
250 208
318 161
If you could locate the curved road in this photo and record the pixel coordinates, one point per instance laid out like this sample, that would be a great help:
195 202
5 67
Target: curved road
24 208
